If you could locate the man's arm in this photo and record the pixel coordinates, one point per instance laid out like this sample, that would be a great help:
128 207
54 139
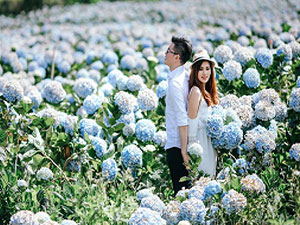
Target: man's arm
183 134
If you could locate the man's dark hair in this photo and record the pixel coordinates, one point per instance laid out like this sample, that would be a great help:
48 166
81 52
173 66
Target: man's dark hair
183 47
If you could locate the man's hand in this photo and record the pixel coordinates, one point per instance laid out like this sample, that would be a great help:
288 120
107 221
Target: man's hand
186 160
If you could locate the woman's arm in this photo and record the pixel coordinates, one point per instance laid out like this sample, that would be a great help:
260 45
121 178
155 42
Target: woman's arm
194 101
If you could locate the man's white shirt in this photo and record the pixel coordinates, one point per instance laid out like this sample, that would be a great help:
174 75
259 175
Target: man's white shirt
176 105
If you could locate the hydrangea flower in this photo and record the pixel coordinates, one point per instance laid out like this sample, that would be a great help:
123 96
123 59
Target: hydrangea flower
251 78
243 40
232 70
147 99
234 202
241 165
113 76
53 92
212 188
160 138
100 146
143 216
196 192
122 83
229 101
171 212
195 149
125 101
12 91
35 97
109 169
285 50
42 217
193 210
161 89
44 174
93 102
269 95
107 89
95 75
128 62
223 54
298 82
264 111
295 46
132 156
264 56
154 203
110 57
97 65
68 222
144 193
129 129
295 152
90 127
67 122
214 125
135 83
253 183
295 99
84 87
246 115
145 130
22 183
64 67
231 136
243 55
23 217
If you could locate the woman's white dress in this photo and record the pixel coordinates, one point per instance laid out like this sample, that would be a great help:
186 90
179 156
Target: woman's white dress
197 132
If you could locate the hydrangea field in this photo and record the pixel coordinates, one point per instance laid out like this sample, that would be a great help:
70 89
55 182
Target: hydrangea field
82 103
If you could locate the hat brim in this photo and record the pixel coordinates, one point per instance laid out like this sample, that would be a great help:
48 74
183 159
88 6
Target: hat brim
213 63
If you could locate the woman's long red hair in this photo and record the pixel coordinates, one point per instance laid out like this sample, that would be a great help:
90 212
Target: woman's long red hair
210 93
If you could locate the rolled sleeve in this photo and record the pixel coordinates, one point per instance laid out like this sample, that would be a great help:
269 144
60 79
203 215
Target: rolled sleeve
178 100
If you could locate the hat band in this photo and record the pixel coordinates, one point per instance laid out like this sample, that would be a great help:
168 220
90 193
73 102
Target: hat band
202 58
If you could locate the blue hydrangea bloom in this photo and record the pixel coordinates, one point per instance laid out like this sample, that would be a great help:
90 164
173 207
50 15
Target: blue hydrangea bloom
64 67
241 165
128 62
171 212
112 67
70 98
298 82
54 92
90 127
82 73
243 55
125 102
265 143
231 136
93 102
295 99
132 156
122 83
135 83
129 129
145 130
147 99
74 165
67 122
84 87
107 89
144 193
196 192
214 126
145 216
97 65
251 78
127 118
285 50
233 202
141 64
100 146
68 222
109 169
160 138
35 97
154 203
264 56
113 76
90 57
161 89
193 210
161 76
212 188
232 70
295 46
13 91
23 217
110 57
295 152
223 54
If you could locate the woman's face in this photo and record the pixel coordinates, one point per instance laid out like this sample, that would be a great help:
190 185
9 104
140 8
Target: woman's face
204 72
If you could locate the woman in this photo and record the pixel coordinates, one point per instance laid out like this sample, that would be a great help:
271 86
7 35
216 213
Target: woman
202 95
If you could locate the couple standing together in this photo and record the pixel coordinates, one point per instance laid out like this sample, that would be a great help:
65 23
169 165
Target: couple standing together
187 102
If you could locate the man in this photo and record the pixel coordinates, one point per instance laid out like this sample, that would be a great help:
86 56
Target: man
178 53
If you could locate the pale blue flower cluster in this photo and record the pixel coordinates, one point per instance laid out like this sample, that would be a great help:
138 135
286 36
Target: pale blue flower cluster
128 62
243 56
68 222
23 217
127 118
44 174
212 188
160 138
84 87
285 50
145 216
196 192
132 156
135 83
145 130
195 149
67 122
109 169
154 203
281 111
193 210
64 67
107 89
265 111
223 54
129 129
147 99
110 57
240 165
253 183
264 56
214 125
251 78
161 89
295 152
233 202
74 165
122 83
54 92
100 146
93 102
113 76
35 97
13 91
90 127
144 193
171 213
232 70
231 136
295 46
125 102
298 82
97 65
295 99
